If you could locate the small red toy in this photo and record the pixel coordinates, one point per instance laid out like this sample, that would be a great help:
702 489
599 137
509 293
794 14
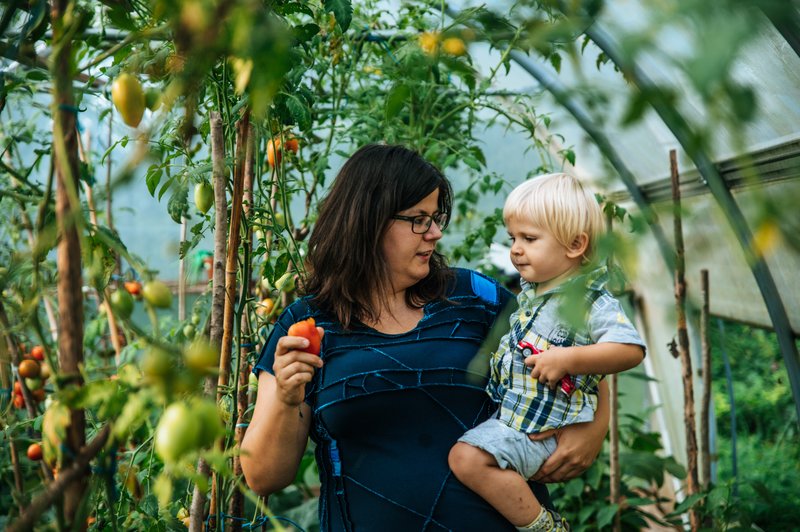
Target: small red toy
528 349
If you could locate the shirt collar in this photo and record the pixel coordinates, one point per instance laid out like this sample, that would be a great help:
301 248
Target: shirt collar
592 280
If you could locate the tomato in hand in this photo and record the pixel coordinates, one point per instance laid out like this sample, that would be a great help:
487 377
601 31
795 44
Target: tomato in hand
308 330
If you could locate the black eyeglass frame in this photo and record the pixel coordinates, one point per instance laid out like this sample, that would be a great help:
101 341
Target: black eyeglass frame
430 218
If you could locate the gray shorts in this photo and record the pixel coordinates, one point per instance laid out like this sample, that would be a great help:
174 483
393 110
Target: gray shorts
510 447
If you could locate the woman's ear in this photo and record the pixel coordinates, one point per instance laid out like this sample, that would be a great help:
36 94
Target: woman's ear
578 246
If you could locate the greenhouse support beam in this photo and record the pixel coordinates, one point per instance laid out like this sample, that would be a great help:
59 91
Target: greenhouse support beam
683 133
584 119
786 21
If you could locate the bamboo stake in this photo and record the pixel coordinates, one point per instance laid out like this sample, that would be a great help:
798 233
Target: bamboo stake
219 178
243 127
614 472
683 342
236 507
231 267
182 276
105 294
705 404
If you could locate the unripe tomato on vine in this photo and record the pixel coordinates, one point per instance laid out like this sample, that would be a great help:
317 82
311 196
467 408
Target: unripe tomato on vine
129 99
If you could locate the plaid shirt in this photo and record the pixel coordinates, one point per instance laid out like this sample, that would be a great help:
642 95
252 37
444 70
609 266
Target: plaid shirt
543 320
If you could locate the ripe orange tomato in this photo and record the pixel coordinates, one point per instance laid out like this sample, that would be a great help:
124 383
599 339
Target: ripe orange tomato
29 369
308 330
134 288
19 401
275 150
38 352
34 451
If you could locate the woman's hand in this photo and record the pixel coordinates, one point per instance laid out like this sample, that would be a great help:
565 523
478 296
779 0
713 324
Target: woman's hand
294 368
577 445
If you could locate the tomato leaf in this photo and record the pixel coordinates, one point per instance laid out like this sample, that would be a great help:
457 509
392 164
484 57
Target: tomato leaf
343 10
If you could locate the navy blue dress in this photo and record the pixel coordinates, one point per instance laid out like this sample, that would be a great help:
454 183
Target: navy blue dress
388 408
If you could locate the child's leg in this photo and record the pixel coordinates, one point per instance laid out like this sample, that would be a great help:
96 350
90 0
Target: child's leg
505 489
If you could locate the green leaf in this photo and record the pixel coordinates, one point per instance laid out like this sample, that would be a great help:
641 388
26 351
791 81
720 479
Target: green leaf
305 32
396 99
178 205
299 111
153 177
606 515
343 10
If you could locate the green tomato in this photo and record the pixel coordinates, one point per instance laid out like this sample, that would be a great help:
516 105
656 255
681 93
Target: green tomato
157 294
188 331
201 356
156 363
286 282
203 196
152 98
178 432
208 418
121 303
33 384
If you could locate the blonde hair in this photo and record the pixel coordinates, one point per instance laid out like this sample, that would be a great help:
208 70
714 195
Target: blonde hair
560 204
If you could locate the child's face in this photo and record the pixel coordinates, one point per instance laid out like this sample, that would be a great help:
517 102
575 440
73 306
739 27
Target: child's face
538 256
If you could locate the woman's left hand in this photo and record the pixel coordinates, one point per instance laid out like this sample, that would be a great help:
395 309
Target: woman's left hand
577 445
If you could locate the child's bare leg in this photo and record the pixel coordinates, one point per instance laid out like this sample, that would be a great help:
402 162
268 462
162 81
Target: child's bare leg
505 489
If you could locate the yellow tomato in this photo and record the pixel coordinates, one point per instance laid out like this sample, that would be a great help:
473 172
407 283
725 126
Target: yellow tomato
128 98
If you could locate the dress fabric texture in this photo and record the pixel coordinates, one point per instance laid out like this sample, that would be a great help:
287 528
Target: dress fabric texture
386 409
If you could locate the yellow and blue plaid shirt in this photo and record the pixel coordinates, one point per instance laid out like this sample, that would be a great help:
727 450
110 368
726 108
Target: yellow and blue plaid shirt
544 320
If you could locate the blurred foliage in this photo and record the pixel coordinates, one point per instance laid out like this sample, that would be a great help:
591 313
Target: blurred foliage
766 488
333 75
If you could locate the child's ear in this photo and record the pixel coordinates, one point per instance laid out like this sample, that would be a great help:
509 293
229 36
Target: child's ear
578 246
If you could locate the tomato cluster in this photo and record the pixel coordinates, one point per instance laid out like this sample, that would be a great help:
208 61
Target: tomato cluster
34 371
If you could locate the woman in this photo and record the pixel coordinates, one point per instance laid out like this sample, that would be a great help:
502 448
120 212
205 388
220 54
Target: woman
390 392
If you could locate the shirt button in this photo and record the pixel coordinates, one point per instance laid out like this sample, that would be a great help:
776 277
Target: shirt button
528 313
505 381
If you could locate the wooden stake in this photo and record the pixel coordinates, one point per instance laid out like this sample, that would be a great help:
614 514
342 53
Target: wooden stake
197 511
236 507
683 342
705 404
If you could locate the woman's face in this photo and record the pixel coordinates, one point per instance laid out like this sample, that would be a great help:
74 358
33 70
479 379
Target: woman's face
408 254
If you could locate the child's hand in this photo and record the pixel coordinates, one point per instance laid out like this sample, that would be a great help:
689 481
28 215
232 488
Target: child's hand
549 366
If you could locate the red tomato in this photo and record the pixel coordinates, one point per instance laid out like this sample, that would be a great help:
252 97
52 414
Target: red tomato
38 352
308 330
134 288
34 451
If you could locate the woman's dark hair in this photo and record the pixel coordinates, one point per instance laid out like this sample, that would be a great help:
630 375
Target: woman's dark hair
345 263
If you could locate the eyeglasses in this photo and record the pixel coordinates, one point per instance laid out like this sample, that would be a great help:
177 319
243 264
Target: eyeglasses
421 223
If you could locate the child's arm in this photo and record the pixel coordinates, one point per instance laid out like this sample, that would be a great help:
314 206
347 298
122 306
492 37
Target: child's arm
601 358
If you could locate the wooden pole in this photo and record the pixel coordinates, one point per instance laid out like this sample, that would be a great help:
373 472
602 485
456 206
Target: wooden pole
219 177
683 342
231 268
705 404
236 507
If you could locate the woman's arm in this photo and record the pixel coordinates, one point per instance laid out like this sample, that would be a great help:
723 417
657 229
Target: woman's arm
578 445
278 432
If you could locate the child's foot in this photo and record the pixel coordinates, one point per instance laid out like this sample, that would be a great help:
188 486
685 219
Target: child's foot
548 521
